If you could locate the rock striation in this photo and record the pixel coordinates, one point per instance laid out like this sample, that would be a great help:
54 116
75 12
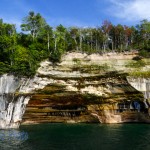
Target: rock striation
79 89
84 89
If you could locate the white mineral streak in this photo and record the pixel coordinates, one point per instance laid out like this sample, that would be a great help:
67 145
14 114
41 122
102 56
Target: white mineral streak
12 107
142 85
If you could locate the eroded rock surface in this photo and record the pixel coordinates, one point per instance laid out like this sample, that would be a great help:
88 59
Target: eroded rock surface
81 88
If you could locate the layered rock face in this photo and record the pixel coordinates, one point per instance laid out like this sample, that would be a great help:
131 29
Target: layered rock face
84 89
81 88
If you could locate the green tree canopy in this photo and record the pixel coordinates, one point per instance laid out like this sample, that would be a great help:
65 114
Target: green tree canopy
33 23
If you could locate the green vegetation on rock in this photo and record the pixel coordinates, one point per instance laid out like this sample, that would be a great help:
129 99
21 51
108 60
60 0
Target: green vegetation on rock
141 74
136 64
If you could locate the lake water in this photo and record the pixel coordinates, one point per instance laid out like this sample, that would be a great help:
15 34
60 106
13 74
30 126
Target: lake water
77 137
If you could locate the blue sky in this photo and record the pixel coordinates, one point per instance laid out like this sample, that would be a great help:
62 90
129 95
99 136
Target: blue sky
81 13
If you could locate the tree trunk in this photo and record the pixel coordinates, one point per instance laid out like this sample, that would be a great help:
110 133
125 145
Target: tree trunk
96 45
80 43
55 44
76 44
91 42
112 46
48 41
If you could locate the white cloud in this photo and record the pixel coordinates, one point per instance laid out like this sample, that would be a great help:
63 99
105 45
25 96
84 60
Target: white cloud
130 10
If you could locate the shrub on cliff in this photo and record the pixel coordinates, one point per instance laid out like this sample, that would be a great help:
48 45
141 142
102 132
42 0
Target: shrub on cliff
145 53
136 64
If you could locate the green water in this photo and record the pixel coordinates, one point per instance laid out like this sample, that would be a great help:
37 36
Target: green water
77 137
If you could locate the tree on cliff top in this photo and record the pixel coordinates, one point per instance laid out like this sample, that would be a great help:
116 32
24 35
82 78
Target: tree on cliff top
33 23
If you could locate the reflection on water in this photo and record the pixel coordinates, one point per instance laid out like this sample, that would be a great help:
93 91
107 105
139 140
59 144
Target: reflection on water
77 137
11 138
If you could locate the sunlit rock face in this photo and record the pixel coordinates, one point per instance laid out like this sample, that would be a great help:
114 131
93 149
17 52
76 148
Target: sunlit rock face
14 96
141 84
65 92
70 88
108 116
12 107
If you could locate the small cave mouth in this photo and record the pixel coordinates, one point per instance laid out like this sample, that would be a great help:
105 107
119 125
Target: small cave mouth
67 110
132 106
69 107
70 114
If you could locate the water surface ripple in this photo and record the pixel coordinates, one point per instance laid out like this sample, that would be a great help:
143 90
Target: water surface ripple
77 137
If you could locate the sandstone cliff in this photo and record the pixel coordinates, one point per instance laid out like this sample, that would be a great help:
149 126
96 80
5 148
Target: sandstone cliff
89 88
112 88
